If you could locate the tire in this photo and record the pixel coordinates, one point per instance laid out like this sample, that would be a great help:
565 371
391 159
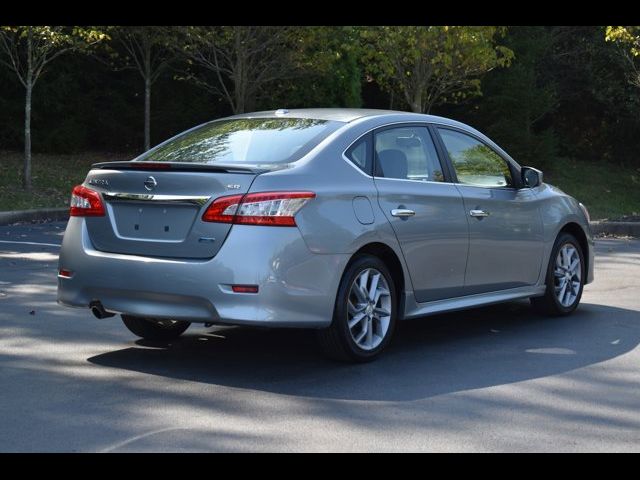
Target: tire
550 303
157 330
337 341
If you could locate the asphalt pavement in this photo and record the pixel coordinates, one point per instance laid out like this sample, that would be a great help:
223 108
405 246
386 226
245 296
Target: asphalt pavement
499 378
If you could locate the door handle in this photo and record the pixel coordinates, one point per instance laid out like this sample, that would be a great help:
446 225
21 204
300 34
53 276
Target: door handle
478 213
402 212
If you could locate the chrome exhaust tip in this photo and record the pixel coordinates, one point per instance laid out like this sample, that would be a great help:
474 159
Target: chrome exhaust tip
98 310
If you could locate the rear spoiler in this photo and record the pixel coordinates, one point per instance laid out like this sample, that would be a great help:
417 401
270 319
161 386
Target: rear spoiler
179 166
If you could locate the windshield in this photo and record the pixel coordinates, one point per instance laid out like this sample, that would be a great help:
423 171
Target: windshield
245 141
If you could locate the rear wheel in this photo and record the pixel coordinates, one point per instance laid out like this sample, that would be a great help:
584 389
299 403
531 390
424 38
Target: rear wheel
155 329
565 278
364 316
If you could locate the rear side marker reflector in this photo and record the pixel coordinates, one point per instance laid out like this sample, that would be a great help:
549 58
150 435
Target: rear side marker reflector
244 288
85 203
265 208
64 273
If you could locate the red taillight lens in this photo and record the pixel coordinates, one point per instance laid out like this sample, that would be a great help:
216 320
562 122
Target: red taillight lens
266 208
223 209
85 203
272 208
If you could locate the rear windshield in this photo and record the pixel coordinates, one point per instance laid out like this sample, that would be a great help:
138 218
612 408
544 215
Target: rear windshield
252 141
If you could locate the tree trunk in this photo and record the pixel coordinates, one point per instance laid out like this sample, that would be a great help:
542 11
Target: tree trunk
249 103
239 73
239 107
416 102
147 99
147 113
240 88
26 173
413 96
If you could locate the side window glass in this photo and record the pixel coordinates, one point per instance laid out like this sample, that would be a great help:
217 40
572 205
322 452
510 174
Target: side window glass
407 153
360 154
474 162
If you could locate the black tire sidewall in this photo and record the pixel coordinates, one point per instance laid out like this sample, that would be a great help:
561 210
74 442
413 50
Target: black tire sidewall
562 240
150 330
340 318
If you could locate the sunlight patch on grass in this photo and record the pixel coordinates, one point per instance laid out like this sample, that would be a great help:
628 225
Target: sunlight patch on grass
53 177
607 190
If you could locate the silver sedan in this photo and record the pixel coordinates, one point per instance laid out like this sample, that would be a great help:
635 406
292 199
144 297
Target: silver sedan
341 220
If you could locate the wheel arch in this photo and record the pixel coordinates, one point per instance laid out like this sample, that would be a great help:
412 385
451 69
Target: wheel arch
578 232
391 259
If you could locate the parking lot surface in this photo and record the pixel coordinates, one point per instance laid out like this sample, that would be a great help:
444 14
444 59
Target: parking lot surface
499 378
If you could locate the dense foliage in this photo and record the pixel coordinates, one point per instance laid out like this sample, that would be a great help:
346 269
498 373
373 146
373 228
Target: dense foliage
541 92
428 66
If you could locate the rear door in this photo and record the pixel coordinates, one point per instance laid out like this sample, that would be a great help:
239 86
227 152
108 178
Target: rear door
159 212
505 226
425 210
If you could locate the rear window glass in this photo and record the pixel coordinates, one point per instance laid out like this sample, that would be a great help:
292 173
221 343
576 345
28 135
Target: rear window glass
252 141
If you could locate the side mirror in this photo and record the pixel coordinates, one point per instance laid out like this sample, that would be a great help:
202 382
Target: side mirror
531 177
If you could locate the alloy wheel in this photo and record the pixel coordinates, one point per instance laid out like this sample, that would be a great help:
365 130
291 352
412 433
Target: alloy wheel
369 309
567 275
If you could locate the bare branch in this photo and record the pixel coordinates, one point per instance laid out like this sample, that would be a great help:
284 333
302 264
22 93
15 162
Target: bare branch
10 47
242 59
218 72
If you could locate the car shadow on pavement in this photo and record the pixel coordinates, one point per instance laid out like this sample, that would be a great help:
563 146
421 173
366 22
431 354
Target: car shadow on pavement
430 356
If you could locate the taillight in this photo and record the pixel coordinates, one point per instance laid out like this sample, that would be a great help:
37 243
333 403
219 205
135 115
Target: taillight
271 208
223 209
85 203
266 208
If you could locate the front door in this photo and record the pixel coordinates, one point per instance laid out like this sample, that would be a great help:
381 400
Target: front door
505 226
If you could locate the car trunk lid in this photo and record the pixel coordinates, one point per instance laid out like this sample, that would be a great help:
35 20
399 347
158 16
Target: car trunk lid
156 209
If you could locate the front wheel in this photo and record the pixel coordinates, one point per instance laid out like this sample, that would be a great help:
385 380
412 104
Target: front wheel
565 278
155 329
365 312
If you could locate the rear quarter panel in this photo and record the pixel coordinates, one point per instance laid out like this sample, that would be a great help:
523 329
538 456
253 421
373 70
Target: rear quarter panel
329 223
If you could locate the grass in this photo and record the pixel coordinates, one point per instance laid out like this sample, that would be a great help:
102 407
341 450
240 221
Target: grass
607 190
53 177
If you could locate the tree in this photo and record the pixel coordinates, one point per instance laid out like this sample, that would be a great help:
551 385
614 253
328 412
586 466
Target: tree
325 73
27 50
518 100
148 51
238 62
629 40
432 64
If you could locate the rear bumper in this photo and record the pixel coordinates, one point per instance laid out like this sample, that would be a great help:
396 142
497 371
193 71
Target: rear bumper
297 288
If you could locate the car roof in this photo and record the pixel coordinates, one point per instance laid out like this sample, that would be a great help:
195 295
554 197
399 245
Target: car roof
343 114
380 117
